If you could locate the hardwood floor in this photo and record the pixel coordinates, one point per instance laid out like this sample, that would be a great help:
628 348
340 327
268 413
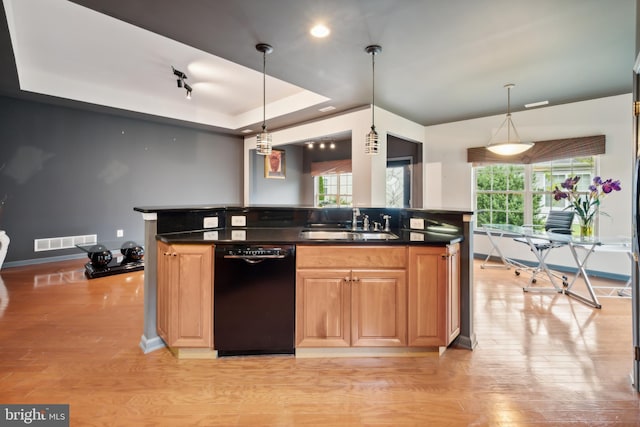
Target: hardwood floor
542 359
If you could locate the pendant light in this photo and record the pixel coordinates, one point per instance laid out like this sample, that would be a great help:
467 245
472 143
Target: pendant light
263 140
511 146
371 144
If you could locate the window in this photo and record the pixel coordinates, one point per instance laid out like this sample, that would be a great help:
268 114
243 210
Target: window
549 174
333 190
500 193
398 188
522 194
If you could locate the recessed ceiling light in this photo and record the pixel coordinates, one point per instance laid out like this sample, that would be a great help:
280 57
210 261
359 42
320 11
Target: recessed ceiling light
328 108
536 104
320 31
247 131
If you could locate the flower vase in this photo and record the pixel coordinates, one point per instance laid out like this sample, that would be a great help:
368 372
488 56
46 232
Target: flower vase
586 230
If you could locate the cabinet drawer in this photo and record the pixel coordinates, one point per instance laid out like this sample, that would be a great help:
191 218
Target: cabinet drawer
351 257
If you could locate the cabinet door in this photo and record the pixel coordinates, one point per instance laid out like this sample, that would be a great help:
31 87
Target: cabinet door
185 295
378 308
323 314
427 296
192 296
453 292
163 293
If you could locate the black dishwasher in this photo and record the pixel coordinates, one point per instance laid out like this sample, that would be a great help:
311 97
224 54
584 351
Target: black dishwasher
254 299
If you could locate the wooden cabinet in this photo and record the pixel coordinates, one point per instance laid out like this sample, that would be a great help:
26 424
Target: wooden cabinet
185 295
433 295
350 296
378 308
453 292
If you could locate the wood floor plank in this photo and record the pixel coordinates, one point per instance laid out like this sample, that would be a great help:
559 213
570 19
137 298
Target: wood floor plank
542 359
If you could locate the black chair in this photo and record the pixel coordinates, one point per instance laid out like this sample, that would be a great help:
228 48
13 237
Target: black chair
557 222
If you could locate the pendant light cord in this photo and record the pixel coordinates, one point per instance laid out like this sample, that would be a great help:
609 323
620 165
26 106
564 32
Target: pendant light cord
373 90
509 114
264 90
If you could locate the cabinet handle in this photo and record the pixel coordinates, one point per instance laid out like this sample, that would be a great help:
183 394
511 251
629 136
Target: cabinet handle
356 279
346 279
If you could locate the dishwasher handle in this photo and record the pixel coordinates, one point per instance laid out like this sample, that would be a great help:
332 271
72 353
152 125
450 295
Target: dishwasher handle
255 259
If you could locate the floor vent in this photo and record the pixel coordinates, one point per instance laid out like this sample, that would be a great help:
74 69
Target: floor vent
55 243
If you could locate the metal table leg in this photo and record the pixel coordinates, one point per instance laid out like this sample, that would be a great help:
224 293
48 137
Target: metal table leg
542 265
507 262
585 277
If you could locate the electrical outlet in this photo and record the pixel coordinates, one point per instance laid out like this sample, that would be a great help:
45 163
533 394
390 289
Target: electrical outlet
210 222
119 233
239 221
416 223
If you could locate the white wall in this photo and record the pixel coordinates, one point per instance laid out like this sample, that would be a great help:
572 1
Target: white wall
450 176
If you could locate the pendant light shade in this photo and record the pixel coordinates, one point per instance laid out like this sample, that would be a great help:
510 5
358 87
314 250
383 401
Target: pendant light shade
512 144
263 139
371 143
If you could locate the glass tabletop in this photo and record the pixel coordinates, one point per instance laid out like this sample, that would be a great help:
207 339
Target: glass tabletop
540 233
110 245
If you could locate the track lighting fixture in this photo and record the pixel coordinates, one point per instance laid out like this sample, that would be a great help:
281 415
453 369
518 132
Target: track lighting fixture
181 81
263 139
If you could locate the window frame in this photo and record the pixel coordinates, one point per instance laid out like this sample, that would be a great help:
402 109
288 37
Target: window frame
338 195
529 192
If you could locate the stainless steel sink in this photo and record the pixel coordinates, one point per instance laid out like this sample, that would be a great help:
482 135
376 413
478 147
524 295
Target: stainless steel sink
346 235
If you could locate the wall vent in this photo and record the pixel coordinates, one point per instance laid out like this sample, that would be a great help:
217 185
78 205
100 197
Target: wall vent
55 243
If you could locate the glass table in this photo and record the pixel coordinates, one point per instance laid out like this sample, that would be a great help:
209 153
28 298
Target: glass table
556 240
112 257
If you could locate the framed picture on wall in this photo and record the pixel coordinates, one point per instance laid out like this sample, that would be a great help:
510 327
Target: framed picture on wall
275 164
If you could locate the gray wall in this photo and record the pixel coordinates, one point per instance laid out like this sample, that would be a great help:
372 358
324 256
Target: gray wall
269 191
65 172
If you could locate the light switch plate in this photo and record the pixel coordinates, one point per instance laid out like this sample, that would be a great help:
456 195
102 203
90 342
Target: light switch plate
239 221
210 222
238 235
416 237
416 223
210 235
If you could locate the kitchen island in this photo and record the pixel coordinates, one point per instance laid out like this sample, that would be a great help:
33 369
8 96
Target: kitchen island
403 285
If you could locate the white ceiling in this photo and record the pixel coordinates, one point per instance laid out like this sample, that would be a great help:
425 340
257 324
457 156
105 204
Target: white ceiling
66 50
442 60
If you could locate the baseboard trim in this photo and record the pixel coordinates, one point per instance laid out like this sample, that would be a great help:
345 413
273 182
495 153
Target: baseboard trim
35 261
368 352
194 353
148 345
560 268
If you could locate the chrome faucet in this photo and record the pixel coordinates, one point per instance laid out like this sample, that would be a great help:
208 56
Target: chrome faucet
354 220
386 218
365 222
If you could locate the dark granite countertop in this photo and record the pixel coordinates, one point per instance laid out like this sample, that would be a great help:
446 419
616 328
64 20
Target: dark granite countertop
292 235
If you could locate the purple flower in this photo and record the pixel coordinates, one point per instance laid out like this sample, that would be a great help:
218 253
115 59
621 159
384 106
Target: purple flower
609 185
558 195
570 183
585 203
